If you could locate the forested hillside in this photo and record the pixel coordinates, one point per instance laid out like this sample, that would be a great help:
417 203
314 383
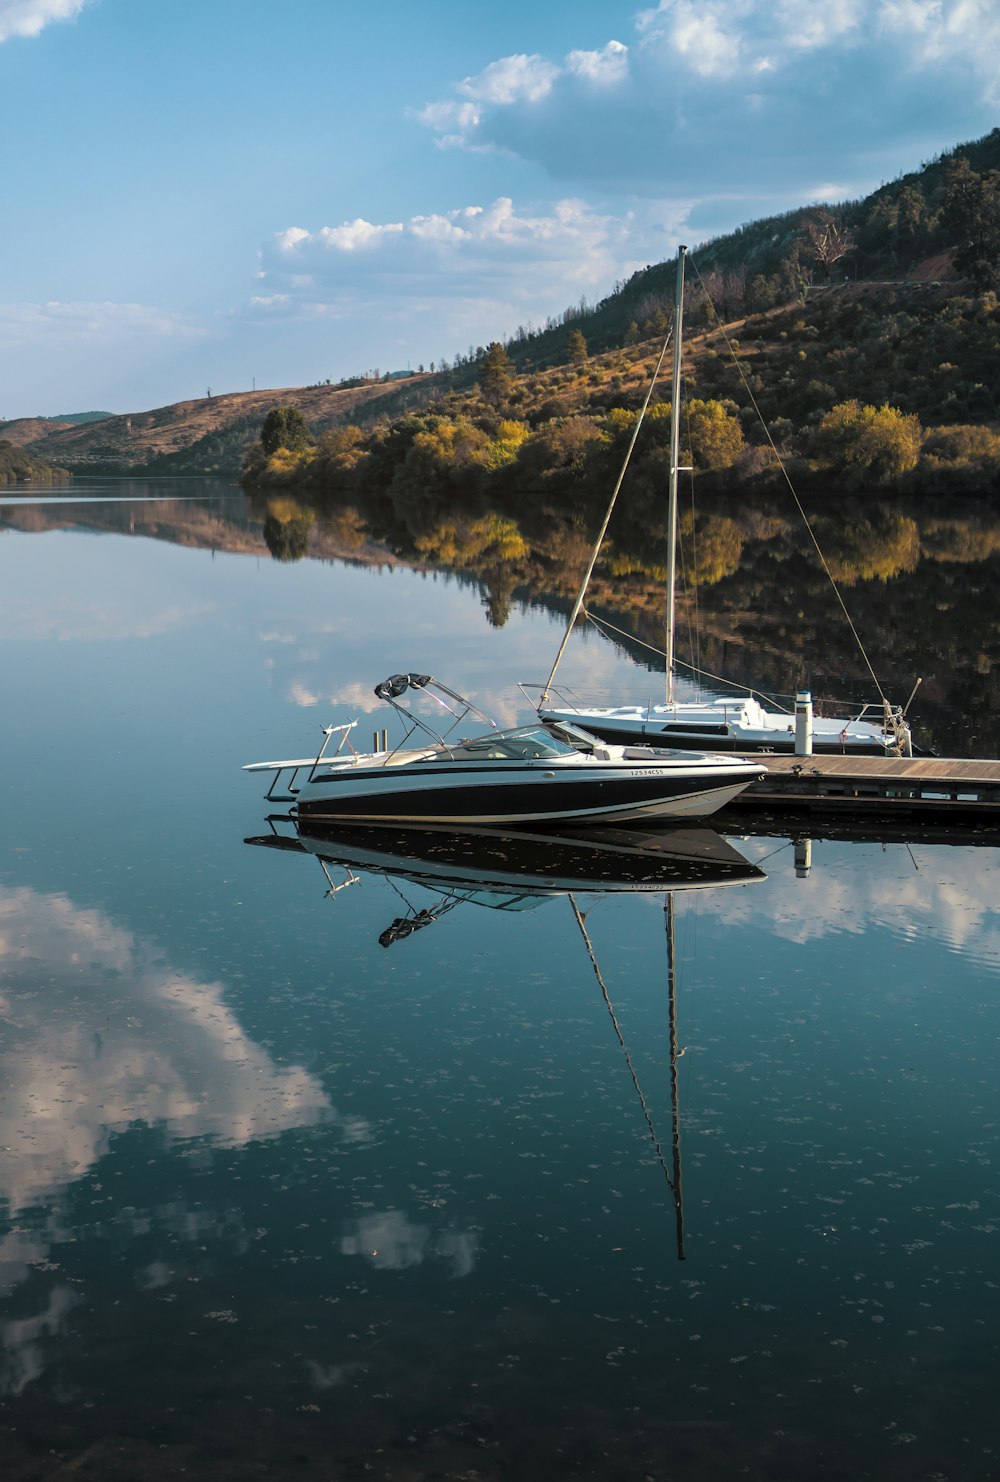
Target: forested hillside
20 467
850 348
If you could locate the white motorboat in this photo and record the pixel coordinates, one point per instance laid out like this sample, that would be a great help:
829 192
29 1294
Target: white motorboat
737 723
526 774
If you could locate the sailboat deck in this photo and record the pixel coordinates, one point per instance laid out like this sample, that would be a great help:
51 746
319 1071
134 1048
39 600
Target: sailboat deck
929 786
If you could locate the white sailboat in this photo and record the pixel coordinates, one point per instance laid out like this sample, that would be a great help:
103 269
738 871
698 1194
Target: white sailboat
738 723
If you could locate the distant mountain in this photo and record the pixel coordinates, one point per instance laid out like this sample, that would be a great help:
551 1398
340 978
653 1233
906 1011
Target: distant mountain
79 417
203 437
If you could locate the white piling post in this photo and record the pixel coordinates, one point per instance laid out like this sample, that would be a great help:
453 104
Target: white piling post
803 858
803 723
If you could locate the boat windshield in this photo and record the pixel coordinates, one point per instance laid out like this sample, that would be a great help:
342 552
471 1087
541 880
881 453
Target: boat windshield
525 743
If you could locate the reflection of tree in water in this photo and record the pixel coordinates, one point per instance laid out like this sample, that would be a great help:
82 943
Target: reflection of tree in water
286 529
500 584
875 548
919 578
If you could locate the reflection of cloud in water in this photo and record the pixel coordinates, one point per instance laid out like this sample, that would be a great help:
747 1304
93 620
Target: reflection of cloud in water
392 1242
506 706
299 695
24 1340
358 699
946 894
97 1033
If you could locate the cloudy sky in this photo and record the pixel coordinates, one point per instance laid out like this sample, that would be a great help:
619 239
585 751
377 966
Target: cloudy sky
234 192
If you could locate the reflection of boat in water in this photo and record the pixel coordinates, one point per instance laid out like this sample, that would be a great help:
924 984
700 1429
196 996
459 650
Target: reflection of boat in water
523 864
515 869
890 829
525 774
730 723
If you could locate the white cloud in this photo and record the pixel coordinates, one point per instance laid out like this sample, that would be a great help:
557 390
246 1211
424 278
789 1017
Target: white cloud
605 67
477 269
358 234
269 301
517 79
699 36
29 17
947 34
806 27
715 94
99 324
288 240
497 239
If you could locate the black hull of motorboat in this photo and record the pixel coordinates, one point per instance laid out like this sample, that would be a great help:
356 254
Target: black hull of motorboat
531 799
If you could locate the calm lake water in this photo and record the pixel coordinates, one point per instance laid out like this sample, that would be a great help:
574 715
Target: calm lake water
281 1200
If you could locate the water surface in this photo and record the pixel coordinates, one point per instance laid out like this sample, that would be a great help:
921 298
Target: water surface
281 1200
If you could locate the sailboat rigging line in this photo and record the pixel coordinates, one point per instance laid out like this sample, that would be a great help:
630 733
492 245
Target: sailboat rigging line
628 1058
603 625
675 442
791 487
785 844
691 585
607 520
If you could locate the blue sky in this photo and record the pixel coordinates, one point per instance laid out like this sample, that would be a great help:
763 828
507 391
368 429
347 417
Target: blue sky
233 192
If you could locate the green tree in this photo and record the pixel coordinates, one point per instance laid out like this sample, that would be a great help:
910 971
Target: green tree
972 213
911 218
576 347
342 451
713 434
285 427
496 376
448 452
880 442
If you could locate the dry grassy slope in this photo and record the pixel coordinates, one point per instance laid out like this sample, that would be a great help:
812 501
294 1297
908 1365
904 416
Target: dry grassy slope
134 439
25 431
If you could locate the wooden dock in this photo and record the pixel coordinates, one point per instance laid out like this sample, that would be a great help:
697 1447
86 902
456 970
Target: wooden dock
960 790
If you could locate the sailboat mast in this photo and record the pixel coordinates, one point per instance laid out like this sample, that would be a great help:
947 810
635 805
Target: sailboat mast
675 430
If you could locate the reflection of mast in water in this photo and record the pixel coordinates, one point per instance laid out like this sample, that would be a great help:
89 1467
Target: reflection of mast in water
673 1180
675 1054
